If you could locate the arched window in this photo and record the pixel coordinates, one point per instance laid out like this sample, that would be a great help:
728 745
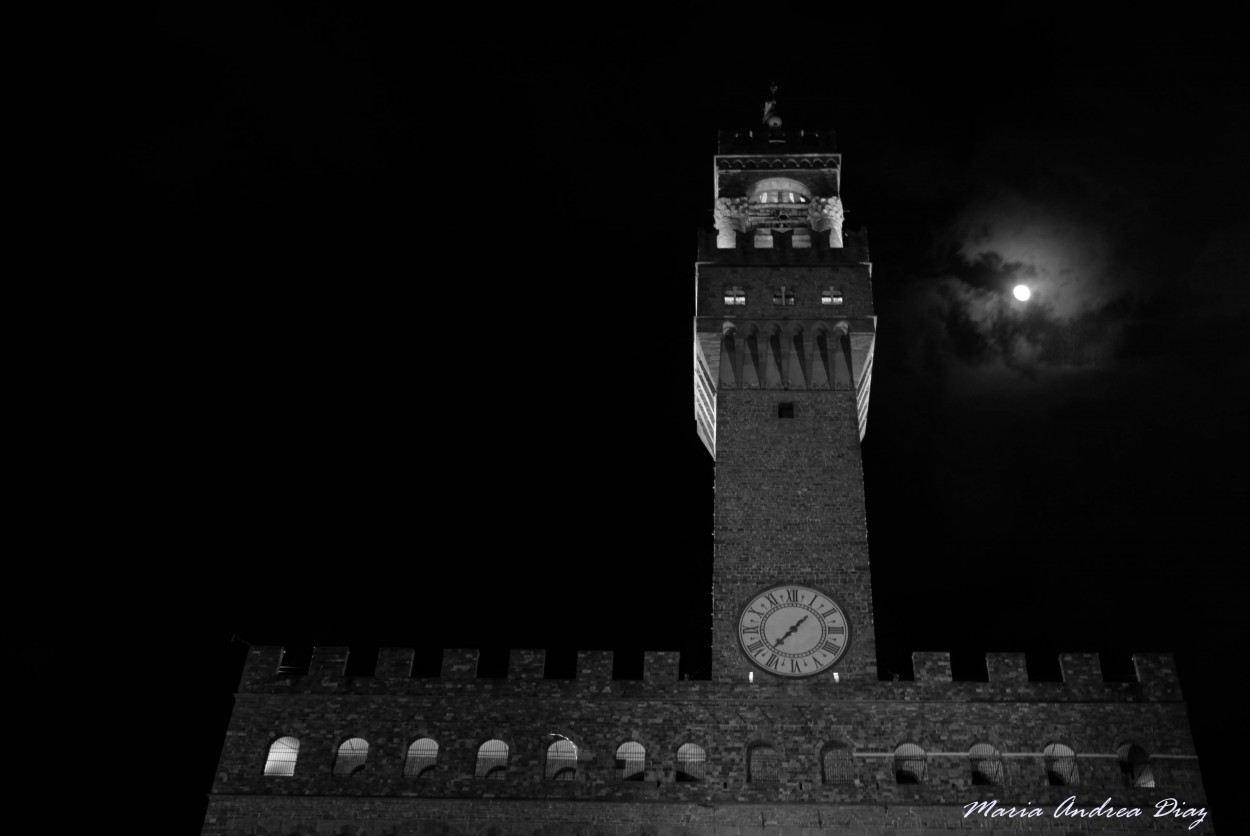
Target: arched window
631 761
492 759
987 765
1135 766
1060 765
562 760
351 759
691 760
763 764
282 755
422 755
780 190
909 764
836 766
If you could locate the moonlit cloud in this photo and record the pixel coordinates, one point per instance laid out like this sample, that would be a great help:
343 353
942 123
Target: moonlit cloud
1063 261
1072 321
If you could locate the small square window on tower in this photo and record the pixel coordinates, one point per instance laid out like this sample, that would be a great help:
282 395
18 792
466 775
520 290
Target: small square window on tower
831 296
785 296
785 410
735 296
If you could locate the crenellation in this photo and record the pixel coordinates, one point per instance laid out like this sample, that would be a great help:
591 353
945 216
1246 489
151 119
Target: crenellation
1007 668
746 249
261 667
1156 669
394 663
1080 668
931 666
328 665
526 664
1008 676
459 665
595 666
660 666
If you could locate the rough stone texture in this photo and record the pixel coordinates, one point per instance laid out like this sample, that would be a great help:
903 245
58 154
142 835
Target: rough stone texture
790 508
1006 667
760 276
538 817
597 713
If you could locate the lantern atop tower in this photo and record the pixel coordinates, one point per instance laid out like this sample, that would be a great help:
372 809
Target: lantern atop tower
771 181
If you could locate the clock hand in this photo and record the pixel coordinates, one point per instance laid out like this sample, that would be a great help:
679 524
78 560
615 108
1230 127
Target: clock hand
790 632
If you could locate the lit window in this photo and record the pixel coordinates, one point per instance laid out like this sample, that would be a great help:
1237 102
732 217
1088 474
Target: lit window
422 755
735 296
785 296
562 761
831 296
691 760
631 760
1060 765
909 764
780 190
282 755
987 765
351 759
492 759
781 196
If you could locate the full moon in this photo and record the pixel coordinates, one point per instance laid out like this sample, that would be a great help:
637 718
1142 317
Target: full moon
1021 292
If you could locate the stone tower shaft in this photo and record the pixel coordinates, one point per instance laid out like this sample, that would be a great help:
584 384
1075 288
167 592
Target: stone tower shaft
784 334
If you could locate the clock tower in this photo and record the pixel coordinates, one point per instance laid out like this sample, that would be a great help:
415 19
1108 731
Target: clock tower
784 333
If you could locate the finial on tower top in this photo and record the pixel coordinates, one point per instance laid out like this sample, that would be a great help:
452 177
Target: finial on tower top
771 118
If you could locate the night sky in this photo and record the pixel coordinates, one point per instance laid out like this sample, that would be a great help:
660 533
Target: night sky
426 312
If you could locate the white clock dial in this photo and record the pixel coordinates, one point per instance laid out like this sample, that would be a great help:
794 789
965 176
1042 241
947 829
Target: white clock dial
794 631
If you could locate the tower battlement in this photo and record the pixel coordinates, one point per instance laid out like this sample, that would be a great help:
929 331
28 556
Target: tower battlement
1008 677
816 250
838 754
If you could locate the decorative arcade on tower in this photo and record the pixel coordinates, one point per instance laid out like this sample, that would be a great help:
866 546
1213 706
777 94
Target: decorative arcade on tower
793 733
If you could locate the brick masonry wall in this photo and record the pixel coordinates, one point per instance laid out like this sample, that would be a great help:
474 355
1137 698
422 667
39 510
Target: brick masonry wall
790 508
761 282
460 712
539 817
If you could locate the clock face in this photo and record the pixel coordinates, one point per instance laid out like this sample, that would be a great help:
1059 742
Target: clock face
794 631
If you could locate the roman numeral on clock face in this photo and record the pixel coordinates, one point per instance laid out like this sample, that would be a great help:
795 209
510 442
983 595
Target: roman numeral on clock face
831 647
792 596
794 666
755 647
772 599
836 628
773 662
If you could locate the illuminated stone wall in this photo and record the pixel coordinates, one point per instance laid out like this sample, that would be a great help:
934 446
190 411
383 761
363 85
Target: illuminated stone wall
391 709
790 505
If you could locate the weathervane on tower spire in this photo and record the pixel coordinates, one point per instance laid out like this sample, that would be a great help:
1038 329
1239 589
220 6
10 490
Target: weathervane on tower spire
771 118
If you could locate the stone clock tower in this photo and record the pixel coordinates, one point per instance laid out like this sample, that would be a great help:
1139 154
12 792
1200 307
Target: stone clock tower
795 732
784 334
